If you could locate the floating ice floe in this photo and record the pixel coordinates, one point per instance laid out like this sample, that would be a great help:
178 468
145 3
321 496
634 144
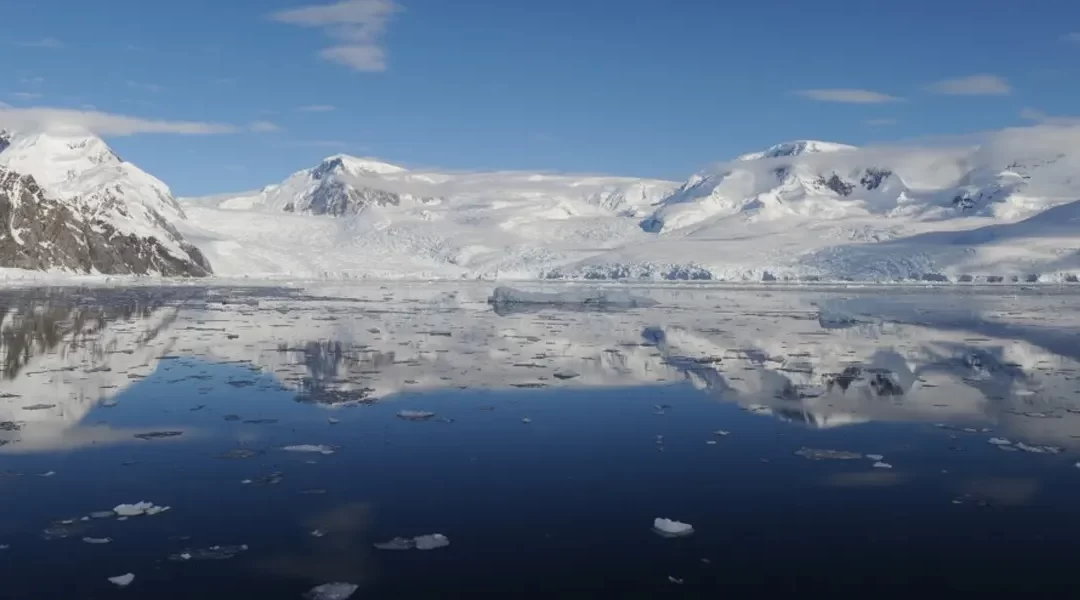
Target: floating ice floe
313 448
420 542
526 420
876 457
92 540
47 474
415 415
331 591
882 465
669 528
675 580
122 580
318 533
333 421
1021 446
139 509
587 298
158 435
999 441
817 454
211 553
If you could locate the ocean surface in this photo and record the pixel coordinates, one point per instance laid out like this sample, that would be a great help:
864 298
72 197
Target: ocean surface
863 439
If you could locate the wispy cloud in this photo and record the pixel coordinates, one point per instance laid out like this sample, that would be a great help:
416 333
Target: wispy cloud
848 96
264 127
356 26
31 80
1071 38
48 43
153 88
313 144
972 85
25 96
880 122
1034 114
317 108
101 123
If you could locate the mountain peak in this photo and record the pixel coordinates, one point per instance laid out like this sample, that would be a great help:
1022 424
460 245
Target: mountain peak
356 165
796 148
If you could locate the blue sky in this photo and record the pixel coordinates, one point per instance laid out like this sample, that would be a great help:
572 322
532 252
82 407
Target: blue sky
637 87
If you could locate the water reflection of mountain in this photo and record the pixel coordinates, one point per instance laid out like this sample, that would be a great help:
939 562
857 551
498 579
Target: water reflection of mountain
768 352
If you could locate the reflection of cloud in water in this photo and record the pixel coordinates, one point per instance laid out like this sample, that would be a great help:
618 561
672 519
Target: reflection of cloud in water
46 438
343 554
867 479
369 343
1001 491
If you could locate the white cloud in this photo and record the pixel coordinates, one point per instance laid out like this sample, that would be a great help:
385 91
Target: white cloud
264 127
49 43
317 108
972 85
31 80
848 96
1034 114
101 123
356 25
25 95
1073 37
146 87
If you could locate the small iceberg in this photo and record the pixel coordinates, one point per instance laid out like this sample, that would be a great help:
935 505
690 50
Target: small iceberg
669 528
421 542
310 448
331 591
139 509
882 465
91 540
999 442
122 580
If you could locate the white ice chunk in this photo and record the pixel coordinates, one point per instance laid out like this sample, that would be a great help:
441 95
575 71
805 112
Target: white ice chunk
421 542
331 591
415 415
882 465
669 528
90 540
1000 441
431 542
123 580
309 448
139 509
599 297
876 457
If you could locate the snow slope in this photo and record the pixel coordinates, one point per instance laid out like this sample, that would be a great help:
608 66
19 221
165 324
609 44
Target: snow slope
803 210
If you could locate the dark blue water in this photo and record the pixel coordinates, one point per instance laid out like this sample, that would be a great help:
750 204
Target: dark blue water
547 490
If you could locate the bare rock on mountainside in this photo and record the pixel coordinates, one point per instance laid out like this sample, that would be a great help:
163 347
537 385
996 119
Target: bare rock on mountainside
38 232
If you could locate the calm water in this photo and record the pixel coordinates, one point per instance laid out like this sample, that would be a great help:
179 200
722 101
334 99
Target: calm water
557 437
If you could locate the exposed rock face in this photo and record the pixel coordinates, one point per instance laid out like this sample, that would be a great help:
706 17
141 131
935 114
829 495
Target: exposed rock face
5 139
39 232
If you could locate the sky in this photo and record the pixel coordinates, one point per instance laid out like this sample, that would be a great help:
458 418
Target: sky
214 96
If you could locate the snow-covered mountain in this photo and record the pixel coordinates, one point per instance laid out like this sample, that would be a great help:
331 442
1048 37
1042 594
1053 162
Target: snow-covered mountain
98 213
358 217
802 210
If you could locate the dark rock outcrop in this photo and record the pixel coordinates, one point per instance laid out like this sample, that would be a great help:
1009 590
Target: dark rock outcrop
38 232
